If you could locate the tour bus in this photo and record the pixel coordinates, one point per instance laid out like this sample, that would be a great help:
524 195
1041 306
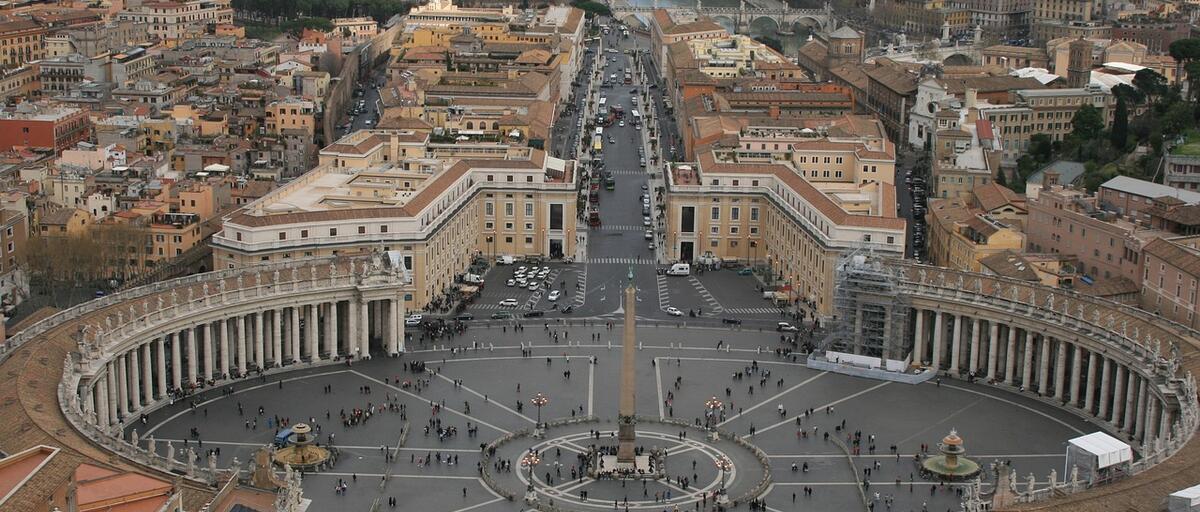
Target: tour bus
602 106
637 118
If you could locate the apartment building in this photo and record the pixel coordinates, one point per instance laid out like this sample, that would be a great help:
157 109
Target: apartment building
961 235
965 156
1048 111
1071 222
292 114
356 29
21 41
670 27
40 125
936 94
793 199
172 20
1169 278
1182 164
439 205
1005 18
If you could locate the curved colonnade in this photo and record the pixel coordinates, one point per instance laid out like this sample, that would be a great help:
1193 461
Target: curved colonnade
1127 370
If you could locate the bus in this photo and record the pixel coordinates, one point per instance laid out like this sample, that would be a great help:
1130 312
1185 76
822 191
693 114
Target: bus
637 118
609 182
599 130
597 143
602 106
628 78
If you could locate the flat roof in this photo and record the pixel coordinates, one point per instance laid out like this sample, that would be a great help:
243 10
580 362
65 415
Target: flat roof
1150 189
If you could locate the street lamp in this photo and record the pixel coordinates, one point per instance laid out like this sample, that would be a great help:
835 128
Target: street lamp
538 401
712 405
529 460
724 464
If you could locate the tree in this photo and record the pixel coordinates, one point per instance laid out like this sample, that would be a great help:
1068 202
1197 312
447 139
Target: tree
1120 130
1179 117
1149 83
1185 50
1041 147
1087 124
1001 178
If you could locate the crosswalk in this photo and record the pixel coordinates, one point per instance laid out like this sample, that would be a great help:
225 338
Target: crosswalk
713 305
664 294
580 286
753 311
623 227
620 261
628 173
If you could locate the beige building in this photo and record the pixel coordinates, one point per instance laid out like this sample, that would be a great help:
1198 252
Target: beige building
791 199
171 20
1169 279
292 114
438 205
356 29
960 236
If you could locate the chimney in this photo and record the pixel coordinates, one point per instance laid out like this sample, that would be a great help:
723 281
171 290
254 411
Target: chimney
971 95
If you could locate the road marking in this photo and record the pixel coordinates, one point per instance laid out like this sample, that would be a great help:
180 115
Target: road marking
713 304
426 400
830 404
339 446
237 392
774 397
753 311
486 400
477 505
658 385
911 455
1014 404
664 293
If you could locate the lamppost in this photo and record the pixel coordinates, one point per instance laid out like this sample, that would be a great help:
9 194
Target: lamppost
529 460
538 401
754 252
724 464
712 405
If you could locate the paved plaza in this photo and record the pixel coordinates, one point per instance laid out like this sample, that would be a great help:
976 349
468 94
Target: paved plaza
678 370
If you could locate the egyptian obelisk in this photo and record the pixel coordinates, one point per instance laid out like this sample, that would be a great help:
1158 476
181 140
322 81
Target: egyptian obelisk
626 433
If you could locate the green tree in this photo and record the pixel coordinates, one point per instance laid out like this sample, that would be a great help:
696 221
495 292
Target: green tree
1087 124
1149 83
1120 130
1179 116
1002 178
1184 50
1041 147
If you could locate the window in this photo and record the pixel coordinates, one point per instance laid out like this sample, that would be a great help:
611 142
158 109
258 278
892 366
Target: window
528 226
508 239
735 213
283 235
529 209
528 240
508 226
508 209
332 231
687 219
362 230
556 216
716 213
754 214
489 209
383 228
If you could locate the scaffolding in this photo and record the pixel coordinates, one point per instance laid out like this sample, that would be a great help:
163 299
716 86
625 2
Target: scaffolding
871 314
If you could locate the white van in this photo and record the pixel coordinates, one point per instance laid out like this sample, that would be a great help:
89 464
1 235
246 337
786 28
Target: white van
680 269
505 260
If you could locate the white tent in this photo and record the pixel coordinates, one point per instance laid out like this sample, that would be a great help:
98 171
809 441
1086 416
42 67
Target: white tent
1108 450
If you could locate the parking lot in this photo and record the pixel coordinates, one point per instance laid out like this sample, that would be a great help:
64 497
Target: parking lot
566 279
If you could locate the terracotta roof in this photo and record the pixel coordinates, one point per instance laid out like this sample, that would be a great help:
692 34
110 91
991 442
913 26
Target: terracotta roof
1009 264
815 50
994 195
895 78
852 74
1178 256
803 188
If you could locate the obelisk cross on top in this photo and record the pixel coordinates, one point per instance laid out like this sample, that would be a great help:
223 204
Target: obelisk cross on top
626 431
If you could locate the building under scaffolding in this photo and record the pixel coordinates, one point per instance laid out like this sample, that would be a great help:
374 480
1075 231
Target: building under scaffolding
870 326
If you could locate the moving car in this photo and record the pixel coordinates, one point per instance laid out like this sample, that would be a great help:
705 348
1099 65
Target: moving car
531 314
464 317
680 269
731 321
554 295
533 286
566 310
413 320
500 315
508 303
510 282
674 311
785 327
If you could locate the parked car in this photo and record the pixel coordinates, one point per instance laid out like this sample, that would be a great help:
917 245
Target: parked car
533 314
674 311
731 321
464 317
566 310
500 315
413 320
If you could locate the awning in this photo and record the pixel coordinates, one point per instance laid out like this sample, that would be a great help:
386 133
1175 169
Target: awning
468 288
1108 450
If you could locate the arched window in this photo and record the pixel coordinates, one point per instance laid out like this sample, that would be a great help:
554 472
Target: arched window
470 125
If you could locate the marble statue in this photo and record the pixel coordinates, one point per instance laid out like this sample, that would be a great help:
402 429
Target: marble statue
960 284
174 297
275 276
204 289
1050 301
1030 480
133 437
332 269
295 274
191 460
161 303
222 286
150 444
120 318
212 462
170 451
190 295
240 282
921 275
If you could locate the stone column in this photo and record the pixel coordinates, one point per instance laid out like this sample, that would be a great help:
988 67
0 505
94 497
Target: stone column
88 402
122 388
919 338
103 418
1044 367
1010 357
332 339
394 332
312 327
133 371
1131 394
993 349
1076 371
939 328
1027 361
260 341
1139 420
1149 425
294 335
974 357
206 340
193 354
1060 370
160 367
364 327
956 343
1118 402
176 361
147 375
353 347
110 392
223 333
1089 394
277 337
241 344
1105 371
